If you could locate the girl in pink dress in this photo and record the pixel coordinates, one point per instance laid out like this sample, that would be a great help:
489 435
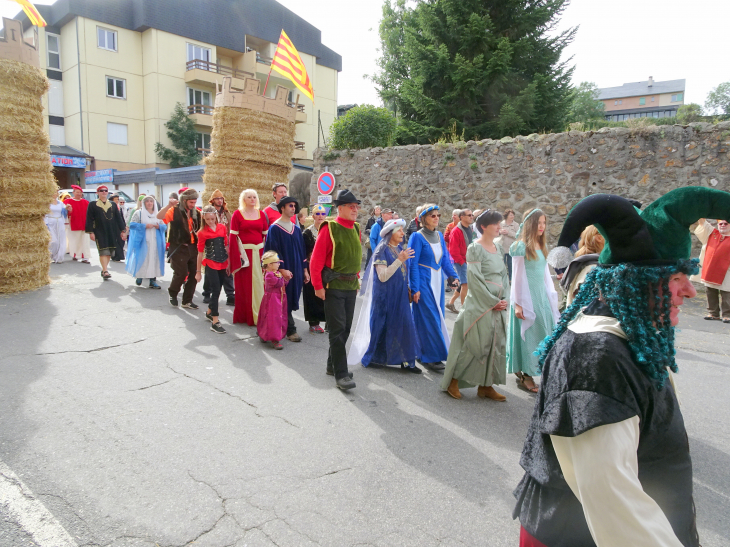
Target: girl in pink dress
273 318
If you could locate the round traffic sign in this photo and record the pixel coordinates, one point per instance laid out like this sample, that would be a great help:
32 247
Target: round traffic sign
326 183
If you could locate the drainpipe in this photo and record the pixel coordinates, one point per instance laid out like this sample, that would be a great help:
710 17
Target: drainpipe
78 67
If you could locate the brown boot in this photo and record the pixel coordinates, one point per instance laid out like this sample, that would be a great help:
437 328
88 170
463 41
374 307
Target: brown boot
453 389
488 392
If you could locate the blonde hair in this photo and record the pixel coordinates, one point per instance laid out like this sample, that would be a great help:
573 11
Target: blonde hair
591 242
267 255
245 194
529 234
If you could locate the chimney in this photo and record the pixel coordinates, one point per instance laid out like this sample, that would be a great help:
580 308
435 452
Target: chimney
651 81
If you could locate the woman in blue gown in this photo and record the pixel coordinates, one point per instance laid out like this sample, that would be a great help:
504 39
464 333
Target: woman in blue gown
385 333
430 261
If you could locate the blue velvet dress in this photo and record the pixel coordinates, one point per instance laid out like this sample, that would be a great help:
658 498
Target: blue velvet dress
290 248
427 277
393 338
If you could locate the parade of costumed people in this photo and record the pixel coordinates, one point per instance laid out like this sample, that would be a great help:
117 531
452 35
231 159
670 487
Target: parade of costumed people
79 243
55 222
533 299
118 254
313 306
478 353
146 244
273 313
607 454
385 332
430 261
106 227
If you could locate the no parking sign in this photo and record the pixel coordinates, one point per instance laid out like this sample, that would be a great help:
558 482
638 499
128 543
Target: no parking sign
326 183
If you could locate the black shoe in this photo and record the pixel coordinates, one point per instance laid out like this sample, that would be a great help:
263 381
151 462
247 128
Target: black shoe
217 327
435 366
209 317
414 369
231 301
448 289
331 372
173 301
206 299
190 306
345 383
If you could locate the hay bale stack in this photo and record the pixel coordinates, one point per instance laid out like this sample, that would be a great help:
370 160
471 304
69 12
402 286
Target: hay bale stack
251 149
27 185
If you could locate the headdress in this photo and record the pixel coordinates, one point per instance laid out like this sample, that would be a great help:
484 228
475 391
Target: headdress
218 194
344 197
319 208
536 210
391 226
270 257
209 210
76 187
428 210
188 194
102 187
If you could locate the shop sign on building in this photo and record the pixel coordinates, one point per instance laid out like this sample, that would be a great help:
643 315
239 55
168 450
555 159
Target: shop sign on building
102 176
68 161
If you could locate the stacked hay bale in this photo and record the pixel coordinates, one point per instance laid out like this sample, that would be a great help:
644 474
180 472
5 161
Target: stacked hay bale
27 185
251 149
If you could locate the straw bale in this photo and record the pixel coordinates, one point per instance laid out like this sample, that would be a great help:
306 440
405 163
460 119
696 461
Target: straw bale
234 178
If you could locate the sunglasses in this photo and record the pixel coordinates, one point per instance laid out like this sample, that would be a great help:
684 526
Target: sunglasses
320 214
435 215
103 191
470 215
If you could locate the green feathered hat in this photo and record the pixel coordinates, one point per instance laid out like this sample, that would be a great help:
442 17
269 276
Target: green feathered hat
657 236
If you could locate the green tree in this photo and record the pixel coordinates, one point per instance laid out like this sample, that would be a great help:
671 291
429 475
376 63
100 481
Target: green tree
718 100
688 113
490 66
584 103
364 126
181 131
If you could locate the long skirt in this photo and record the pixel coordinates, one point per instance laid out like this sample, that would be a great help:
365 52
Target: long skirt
57 246
428 315
249 285
79 244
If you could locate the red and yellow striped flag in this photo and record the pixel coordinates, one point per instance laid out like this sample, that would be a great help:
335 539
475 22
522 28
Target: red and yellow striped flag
32 13
288 63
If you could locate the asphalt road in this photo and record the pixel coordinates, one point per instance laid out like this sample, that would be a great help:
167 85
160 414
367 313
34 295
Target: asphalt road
125 422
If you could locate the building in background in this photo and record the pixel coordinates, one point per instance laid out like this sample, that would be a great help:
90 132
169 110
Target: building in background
648 99
118 67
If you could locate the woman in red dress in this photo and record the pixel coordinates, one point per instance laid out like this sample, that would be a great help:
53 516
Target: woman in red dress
248 228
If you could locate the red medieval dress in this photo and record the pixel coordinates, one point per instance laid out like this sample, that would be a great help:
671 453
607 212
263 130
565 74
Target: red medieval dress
247 236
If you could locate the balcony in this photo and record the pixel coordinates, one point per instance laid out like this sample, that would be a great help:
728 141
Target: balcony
200 72
301 116
203 152
299 152
201 114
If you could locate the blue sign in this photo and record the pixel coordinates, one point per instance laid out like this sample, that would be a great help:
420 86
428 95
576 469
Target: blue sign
68 161
326 183
102 176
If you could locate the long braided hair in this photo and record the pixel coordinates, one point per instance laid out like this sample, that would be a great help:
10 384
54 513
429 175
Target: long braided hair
628 291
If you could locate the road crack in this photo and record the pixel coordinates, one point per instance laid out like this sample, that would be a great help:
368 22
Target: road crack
93 350
154 385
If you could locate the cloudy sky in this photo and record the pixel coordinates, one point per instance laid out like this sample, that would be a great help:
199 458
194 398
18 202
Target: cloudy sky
618 41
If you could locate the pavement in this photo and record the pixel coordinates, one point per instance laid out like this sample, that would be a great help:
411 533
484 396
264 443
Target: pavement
126 422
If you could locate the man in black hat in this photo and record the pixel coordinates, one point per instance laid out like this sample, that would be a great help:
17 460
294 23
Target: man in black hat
285 239
335 276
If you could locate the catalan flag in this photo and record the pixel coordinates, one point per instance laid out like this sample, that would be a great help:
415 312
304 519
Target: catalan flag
288 63
32 13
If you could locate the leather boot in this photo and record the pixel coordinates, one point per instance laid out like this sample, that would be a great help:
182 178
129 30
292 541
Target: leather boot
453 389
488 392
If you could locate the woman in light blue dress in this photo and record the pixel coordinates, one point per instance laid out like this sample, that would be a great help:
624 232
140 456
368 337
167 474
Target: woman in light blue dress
533 299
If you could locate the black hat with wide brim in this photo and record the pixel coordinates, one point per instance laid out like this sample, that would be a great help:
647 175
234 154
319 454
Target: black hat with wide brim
344 197
657 236
288 199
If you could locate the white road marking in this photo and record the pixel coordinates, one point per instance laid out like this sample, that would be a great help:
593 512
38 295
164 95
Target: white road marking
29 513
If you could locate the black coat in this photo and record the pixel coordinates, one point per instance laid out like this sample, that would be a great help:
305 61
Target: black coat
106 226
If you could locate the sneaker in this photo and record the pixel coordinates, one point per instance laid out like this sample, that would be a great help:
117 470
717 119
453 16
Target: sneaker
331 372
448 289
138 281
154 285
190 306
414 369
277 345
206 299
316 329
449 306
435 366
345 383
173 301
294 337
208 316
217 327
231 301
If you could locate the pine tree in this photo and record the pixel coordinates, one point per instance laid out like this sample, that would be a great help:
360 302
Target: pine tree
584 103
182 134
490 66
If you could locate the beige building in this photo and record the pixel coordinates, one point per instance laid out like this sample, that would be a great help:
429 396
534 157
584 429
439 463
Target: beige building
647 99
118 67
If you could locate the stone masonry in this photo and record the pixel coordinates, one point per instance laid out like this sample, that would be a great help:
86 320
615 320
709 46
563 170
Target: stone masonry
552 171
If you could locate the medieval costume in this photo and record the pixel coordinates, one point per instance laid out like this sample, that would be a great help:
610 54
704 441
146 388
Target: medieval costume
213 254
79 244
247 243
576 274
606 457
118 253
273 322
385 332
336 261
478 355
146 246
54 221
285 238
224 217
715 272
430 260
313 306
105 221
183 226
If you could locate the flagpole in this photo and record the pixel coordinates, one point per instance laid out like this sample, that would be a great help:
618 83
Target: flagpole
272 60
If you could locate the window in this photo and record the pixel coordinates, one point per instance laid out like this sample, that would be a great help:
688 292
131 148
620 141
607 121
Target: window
615 103
116 133
116 88
677 98
106 39
198 99
53 43
202 142
642 101
652 99
57 133
197 53
620 102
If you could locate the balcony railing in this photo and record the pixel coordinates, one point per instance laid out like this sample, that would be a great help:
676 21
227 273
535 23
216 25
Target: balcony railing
298 145
204 151
300 107
264 60
201 109
218 69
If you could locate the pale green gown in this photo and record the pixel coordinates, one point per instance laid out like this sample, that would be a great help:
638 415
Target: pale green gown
477 354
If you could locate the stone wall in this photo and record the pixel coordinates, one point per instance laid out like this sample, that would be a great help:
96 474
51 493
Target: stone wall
553 171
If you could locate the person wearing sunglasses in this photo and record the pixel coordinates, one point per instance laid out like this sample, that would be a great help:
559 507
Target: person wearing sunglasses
105 226
715 272
313 306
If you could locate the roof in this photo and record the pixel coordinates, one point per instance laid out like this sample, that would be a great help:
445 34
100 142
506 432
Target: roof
635 89
666 108
68 151
223 23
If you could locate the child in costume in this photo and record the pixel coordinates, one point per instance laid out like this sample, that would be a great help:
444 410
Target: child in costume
533 299
213 254
273 319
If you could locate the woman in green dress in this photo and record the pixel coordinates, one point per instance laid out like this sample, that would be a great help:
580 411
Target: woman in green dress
477 354
533 300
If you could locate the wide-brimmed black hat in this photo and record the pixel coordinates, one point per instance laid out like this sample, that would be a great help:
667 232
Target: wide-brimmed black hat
288 199
344 197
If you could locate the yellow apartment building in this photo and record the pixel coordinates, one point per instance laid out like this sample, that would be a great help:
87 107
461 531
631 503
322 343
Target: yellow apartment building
646 99
118 67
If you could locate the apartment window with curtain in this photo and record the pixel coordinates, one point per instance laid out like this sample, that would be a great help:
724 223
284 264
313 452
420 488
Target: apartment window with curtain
197 53
116 88
116 133
197 100
106 39
202 142
53 49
